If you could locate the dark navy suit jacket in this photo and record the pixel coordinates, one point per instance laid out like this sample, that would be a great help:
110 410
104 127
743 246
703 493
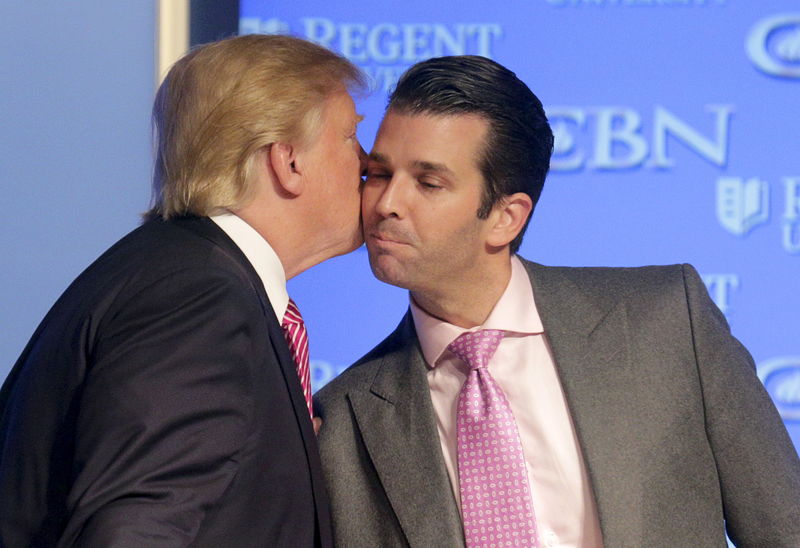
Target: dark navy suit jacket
157 404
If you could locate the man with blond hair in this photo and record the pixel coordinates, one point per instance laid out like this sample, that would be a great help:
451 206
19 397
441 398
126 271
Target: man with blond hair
164 399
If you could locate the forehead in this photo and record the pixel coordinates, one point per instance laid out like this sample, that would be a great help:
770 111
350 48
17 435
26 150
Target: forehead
442 139
339 107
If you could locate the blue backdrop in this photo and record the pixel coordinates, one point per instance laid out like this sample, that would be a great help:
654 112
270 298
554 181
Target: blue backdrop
677 128
676 141
76 87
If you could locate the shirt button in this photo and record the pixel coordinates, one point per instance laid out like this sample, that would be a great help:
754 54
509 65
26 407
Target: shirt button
550 539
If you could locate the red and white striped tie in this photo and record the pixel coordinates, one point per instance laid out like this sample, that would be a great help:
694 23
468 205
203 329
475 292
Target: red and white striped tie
297 338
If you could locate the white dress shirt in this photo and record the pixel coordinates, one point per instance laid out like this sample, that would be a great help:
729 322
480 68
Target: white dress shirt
261 255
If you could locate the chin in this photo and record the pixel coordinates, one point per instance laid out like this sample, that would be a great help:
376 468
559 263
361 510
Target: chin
387 270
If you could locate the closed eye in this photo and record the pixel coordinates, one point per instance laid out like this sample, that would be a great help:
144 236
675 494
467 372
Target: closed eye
429 186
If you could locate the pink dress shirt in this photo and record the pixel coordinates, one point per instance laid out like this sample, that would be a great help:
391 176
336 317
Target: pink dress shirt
523 366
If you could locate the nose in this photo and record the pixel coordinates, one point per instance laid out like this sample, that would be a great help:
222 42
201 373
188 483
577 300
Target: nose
391 201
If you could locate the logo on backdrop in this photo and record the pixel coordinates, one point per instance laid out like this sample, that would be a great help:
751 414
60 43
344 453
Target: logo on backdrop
743 204
773 45
720 287
385 50
613 138
781 378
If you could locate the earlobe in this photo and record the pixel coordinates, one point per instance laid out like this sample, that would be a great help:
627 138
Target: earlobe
283 160
508 219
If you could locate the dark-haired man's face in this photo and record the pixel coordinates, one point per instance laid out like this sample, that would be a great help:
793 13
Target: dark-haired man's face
420 201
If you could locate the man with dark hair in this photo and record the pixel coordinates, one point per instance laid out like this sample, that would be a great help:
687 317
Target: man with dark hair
515 156
524 405
164 400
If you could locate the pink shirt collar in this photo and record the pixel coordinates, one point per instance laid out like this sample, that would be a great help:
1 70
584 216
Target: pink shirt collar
515 311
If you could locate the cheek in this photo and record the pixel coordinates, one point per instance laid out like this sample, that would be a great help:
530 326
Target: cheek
454 239
368 197
349 167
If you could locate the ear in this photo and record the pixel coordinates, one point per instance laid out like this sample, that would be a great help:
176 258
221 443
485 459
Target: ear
282 159
508 218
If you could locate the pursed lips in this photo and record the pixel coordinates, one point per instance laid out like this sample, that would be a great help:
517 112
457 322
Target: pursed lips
385 239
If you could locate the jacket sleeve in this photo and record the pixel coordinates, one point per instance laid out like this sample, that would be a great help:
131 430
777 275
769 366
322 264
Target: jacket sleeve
758 467
165 409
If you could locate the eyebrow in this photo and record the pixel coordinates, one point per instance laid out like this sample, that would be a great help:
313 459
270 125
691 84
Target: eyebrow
418 164
378 157
431 166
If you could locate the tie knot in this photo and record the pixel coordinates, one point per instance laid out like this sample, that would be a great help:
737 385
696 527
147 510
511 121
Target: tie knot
476 348
292 315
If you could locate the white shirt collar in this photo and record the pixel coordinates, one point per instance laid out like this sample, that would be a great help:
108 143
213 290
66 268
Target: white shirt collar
265 261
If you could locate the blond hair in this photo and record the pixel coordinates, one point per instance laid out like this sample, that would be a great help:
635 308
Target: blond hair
223 102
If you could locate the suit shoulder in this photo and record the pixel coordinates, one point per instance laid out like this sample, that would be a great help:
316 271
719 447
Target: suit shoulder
620 282
362 373
186 248
159 266
358 375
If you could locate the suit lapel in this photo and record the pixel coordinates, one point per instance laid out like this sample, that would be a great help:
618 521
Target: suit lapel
397 422
289 371
206 228
588 335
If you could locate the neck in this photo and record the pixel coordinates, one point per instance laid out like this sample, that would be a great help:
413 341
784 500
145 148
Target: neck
467 305
290 239
281 232
298 254
296 236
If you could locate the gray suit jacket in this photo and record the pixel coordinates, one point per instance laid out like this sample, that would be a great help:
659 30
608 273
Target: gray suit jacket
678 435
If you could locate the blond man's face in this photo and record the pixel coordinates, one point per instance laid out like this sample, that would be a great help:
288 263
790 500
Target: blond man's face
336 162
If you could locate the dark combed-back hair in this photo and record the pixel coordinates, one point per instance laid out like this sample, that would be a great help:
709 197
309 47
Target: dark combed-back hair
519 142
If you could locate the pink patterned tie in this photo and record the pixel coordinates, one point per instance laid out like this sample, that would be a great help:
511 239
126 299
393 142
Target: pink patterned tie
297 338
496 503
